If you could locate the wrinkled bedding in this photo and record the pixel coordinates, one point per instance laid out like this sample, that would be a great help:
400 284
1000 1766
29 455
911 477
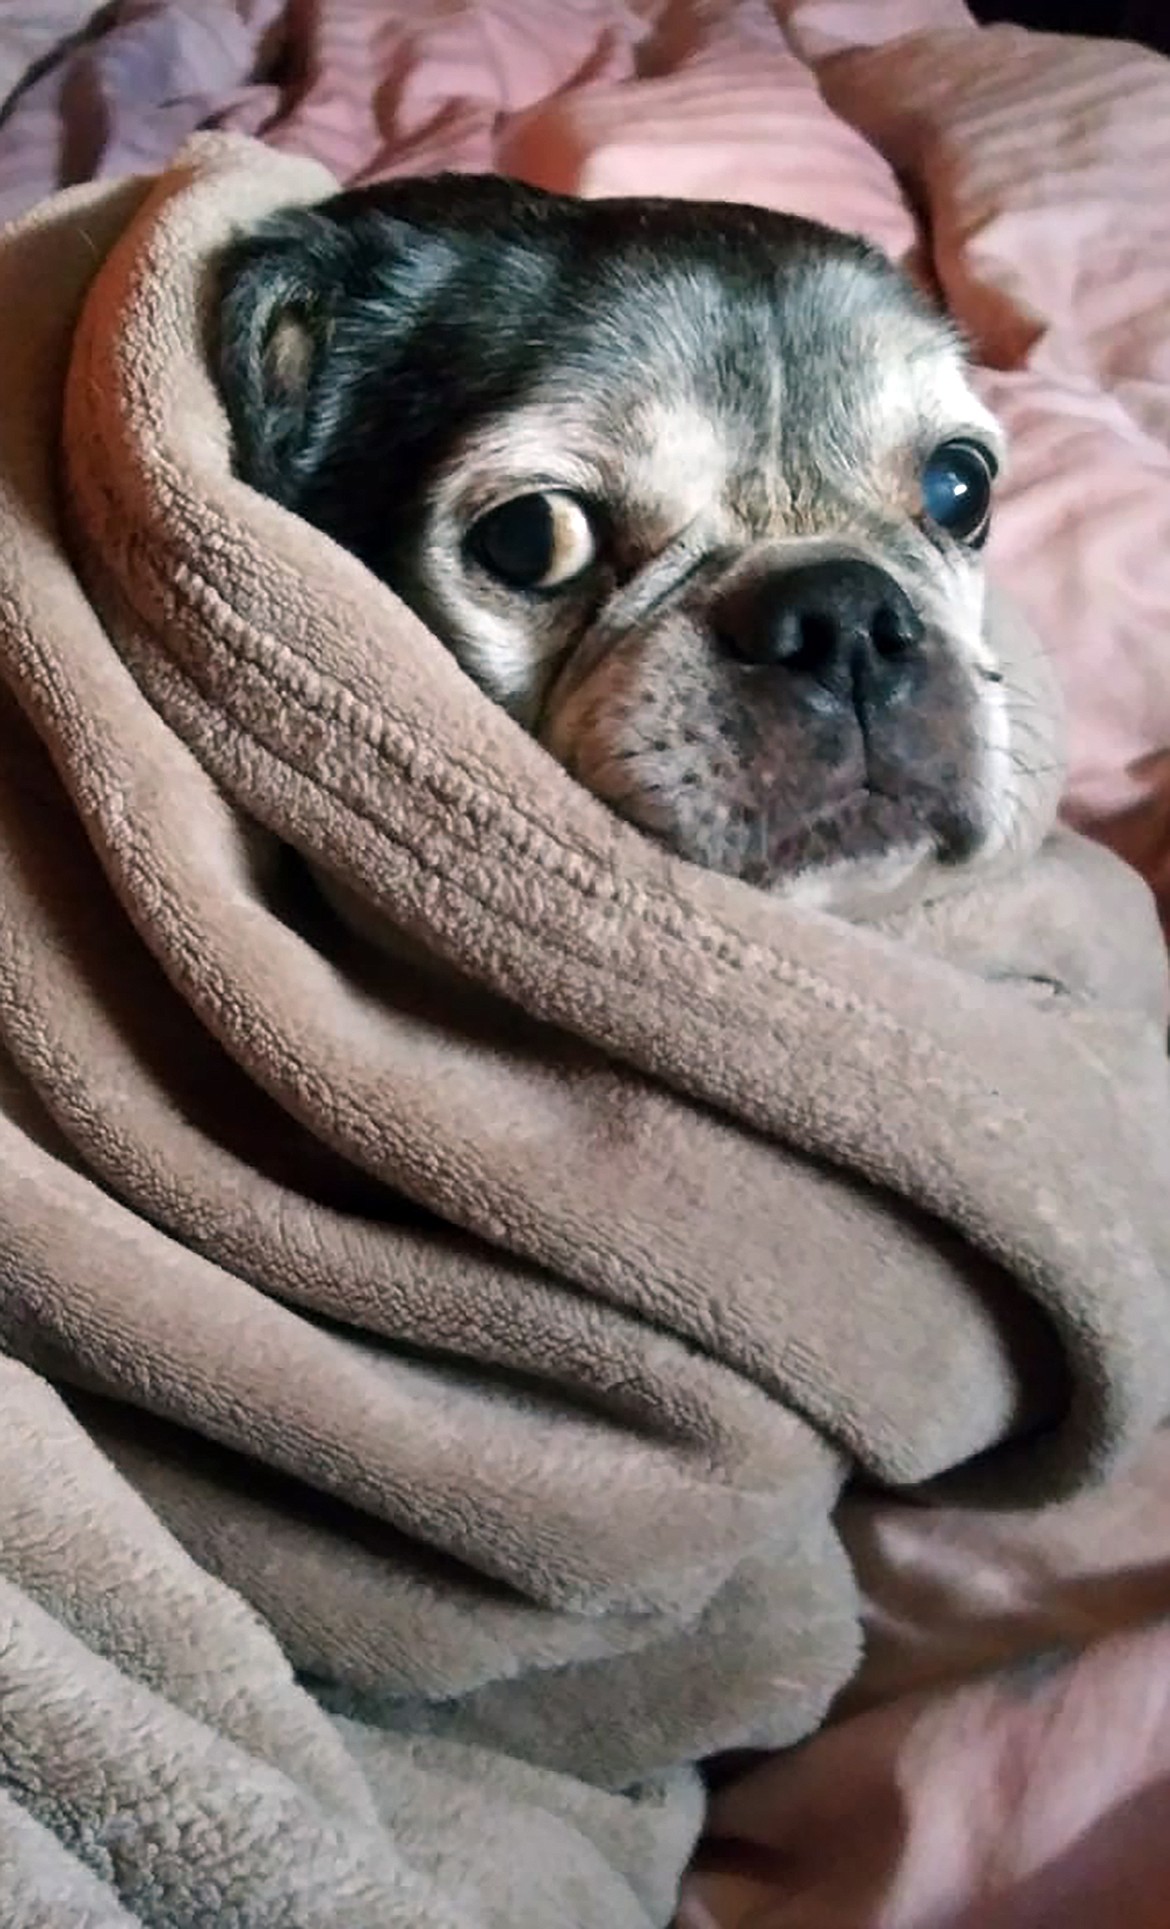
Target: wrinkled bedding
1045 165
1002 1761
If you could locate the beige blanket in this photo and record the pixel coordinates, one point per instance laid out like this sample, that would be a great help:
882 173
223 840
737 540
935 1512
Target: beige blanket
427 1390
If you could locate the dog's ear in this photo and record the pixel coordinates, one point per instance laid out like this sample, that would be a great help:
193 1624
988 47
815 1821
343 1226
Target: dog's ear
275 295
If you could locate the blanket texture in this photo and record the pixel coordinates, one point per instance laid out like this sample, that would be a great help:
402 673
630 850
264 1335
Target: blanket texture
428 1385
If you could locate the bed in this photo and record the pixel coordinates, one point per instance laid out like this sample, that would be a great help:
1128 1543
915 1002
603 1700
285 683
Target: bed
1003 1756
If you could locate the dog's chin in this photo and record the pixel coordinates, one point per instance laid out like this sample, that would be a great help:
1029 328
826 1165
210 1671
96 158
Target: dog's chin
853 850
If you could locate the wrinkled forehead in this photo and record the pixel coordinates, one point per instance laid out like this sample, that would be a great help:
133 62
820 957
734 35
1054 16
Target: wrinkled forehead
825 370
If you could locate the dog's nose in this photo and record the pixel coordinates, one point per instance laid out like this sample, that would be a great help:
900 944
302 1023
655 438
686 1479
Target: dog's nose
845 623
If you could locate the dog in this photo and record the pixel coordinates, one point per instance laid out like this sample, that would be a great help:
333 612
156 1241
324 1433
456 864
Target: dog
697 491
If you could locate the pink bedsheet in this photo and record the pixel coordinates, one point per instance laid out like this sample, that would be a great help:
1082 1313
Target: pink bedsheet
1003 1759
1030 178
1025 1805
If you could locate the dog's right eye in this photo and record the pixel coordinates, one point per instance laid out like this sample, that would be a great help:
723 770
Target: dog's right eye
539 541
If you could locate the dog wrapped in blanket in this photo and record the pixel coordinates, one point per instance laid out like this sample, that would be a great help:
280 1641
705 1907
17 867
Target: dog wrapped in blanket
698 492
430 1370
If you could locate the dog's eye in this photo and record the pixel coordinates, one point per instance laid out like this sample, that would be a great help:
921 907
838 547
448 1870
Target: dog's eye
956 489
539 541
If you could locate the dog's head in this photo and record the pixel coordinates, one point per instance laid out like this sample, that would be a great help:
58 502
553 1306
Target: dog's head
697 492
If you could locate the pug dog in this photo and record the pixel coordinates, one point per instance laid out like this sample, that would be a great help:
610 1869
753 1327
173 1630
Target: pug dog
698 492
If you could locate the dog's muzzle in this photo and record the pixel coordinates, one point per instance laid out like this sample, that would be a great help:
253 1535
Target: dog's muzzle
841 629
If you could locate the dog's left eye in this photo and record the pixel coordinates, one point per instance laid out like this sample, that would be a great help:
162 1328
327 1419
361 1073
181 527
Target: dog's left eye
539 541
956 489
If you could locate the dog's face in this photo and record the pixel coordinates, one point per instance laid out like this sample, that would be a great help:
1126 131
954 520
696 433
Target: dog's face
697 492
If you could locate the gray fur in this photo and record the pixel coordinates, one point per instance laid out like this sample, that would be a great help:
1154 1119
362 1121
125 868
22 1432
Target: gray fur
733 393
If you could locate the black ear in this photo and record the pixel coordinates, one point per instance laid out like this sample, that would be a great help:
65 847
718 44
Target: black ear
275 292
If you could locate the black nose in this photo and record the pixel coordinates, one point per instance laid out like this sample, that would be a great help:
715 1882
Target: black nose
845 623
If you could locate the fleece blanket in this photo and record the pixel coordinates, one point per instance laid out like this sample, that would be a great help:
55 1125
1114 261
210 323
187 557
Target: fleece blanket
429 1384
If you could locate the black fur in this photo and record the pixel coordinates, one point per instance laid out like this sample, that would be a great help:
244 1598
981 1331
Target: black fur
727 403
431 304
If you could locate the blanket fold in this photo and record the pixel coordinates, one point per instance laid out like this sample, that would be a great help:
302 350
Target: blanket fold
432 1375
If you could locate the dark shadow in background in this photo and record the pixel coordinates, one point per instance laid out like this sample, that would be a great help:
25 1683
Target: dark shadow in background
1145 20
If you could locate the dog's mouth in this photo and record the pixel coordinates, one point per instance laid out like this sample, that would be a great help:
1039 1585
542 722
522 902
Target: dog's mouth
763 783
866 826
766 840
